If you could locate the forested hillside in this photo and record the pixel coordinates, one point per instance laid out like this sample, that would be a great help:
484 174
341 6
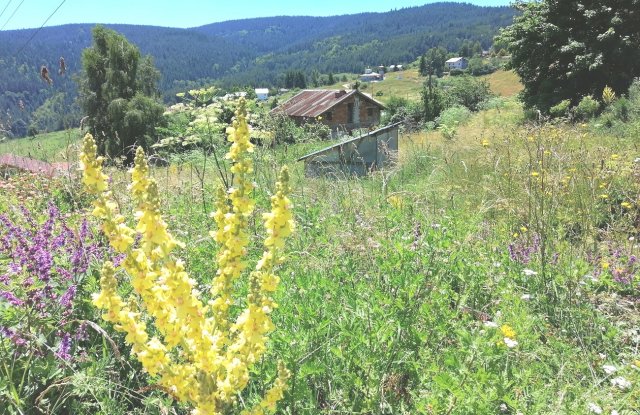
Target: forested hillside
248 52
350 43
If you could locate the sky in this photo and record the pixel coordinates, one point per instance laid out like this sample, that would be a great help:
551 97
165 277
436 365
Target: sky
25 14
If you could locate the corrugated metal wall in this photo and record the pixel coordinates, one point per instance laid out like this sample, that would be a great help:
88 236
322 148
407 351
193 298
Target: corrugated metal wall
356 157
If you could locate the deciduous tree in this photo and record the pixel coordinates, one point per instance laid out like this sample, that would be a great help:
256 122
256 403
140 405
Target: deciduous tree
569 49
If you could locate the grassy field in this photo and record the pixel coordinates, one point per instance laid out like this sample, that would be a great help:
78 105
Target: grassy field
56 146
504 83
408 83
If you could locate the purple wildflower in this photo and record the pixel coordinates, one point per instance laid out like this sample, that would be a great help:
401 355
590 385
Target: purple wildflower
12 299
64 348
67 298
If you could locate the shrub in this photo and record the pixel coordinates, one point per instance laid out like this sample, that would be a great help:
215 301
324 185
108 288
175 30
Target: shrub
561 109
478 66
467 91
620 109
456 72
400 109
456 115
634 97
586 109
492 103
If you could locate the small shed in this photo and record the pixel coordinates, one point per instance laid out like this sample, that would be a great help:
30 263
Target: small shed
355 157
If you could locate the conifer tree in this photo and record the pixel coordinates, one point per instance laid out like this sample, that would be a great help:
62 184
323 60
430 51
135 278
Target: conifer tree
119 94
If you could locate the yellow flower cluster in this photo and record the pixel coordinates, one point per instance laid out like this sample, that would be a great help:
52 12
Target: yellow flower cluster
203 352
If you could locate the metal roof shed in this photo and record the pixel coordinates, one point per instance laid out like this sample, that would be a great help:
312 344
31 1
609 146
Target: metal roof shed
355 157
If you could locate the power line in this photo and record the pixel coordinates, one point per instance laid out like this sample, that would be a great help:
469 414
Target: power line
11 17
39 29
5 8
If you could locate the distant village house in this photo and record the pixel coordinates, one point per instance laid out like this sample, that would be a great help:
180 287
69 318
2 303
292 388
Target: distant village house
457 63
370 76
338 109
262 94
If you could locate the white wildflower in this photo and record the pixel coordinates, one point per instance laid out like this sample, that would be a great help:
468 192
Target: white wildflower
595 408
510 343
525 297
621 383
609 369
491 324
529 272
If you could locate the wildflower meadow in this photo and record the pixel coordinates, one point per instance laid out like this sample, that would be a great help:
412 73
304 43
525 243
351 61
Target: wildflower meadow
491 272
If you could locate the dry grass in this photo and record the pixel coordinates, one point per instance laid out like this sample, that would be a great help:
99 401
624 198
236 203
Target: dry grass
504 83
491 125
404 84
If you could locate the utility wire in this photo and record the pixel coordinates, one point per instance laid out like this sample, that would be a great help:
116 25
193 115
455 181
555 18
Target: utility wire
11 17
39 29
5 8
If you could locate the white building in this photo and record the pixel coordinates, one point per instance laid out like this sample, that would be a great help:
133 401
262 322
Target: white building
262 94
457 63
370 76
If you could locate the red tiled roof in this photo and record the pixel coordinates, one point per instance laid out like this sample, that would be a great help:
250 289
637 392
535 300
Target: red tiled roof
31 165
315 102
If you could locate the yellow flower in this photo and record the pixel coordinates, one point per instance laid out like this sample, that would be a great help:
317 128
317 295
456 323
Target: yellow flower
199 355
626 205
395 201
485 143
535 174
508 331
604 265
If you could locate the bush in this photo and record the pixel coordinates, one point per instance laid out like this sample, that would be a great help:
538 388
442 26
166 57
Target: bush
456 72
587 108
478 66
561 109
634 98
397 109
467 91
456 115
494 103
620 109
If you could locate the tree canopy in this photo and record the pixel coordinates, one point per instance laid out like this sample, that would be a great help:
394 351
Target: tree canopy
432 62
119 94
569 49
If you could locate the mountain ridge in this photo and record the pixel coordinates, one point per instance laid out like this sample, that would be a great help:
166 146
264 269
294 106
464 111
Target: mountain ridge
256 51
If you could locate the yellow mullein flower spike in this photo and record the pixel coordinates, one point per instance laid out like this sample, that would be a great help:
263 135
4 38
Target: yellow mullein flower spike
201 354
